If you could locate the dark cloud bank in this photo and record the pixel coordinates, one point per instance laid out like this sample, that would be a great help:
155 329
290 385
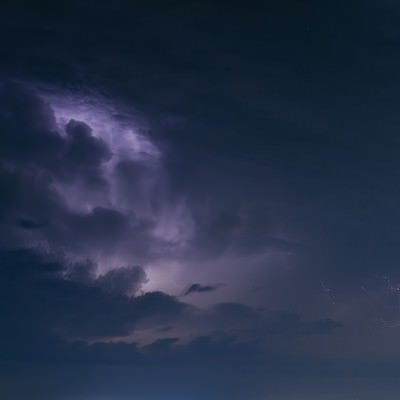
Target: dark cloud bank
61 311
244 245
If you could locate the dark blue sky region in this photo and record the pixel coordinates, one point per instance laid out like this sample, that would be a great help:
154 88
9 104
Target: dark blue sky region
199 200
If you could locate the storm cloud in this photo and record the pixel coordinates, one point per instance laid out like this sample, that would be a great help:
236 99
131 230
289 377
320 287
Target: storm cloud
199 200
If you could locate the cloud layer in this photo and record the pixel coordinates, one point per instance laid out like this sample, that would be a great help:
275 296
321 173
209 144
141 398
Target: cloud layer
199 200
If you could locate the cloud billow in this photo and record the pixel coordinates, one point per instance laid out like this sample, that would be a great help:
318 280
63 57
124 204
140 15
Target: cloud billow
86 232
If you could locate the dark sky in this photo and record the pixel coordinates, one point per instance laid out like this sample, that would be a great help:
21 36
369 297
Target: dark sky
200 200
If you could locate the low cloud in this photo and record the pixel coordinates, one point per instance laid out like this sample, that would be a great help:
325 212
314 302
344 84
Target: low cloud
198 288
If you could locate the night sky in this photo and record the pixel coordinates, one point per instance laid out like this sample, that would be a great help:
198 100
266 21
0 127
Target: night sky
200 200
